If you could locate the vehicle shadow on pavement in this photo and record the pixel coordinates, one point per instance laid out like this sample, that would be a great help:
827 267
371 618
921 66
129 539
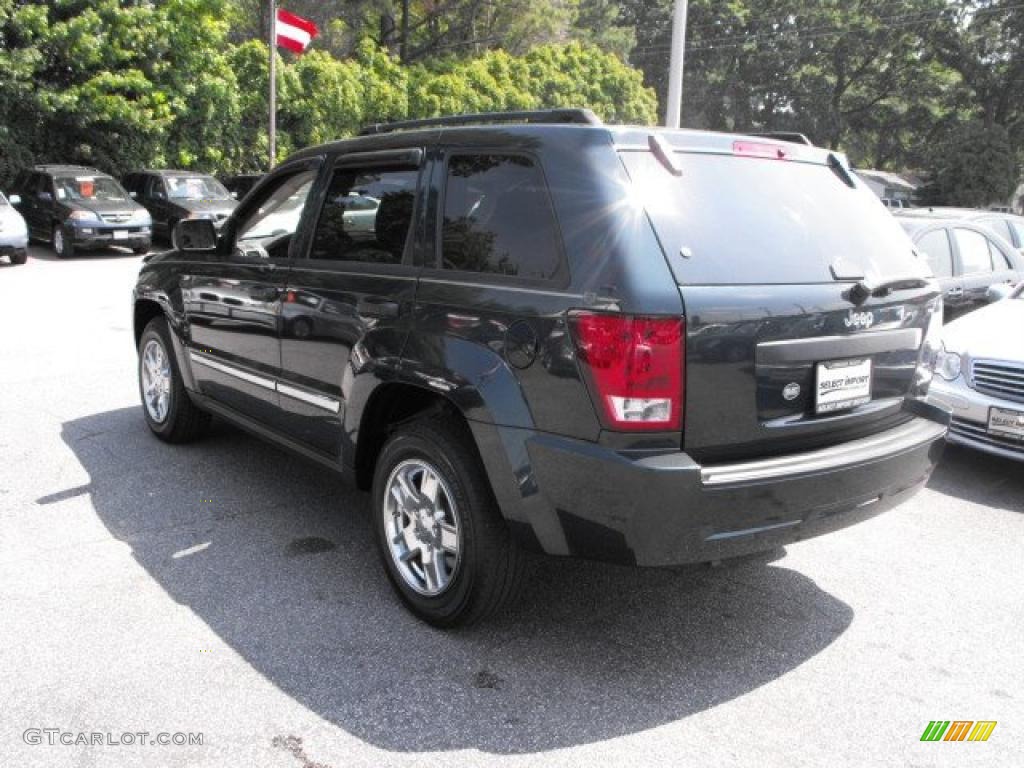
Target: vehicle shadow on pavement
276 556
979 478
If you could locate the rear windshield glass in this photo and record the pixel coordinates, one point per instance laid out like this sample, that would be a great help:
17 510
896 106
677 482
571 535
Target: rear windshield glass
728 220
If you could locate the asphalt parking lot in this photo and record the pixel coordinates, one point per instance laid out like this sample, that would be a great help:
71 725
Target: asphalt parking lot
229 589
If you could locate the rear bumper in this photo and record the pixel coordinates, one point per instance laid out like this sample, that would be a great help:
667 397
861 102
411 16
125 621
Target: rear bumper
668 510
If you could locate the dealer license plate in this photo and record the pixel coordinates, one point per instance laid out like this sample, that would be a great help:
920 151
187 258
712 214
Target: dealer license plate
842 384
122 234
1002 422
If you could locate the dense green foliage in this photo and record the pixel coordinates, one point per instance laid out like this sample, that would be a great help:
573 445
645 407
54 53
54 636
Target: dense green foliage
972 165
124 84
894 83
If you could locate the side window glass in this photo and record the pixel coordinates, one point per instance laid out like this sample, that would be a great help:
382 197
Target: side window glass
1000 260
267 227
937 250
498 217
1018 229
1000 226
974 253
367 216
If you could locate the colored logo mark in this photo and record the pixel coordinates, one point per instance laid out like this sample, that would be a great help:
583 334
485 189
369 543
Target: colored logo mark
958 730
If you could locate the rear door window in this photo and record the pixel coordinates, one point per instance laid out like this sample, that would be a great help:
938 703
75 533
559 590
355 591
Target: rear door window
975 257
498 218
729 219
936 248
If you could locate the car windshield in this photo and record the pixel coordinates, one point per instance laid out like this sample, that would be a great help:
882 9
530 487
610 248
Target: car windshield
195 188
88 188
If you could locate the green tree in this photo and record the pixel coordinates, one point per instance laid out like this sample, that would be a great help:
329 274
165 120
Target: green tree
548 76
973 165
118 85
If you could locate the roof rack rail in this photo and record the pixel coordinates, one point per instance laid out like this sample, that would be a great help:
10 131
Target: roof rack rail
791 136
548 116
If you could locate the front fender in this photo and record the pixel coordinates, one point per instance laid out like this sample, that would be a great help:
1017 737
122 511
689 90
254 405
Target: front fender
159 286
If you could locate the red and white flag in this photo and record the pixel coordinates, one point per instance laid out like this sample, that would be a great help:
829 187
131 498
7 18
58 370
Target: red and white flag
294 32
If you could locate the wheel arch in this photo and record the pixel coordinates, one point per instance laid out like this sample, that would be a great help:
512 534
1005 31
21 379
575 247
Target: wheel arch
143 313
502 451
145 308
388 406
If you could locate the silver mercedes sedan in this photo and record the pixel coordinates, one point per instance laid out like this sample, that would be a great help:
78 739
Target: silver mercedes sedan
980 375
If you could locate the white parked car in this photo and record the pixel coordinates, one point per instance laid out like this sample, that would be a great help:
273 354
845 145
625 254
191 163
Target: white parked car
980 375
13 232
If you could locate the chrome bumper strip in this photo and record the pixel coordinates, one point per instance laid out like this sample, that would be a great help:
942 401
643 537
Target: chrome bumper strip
903 438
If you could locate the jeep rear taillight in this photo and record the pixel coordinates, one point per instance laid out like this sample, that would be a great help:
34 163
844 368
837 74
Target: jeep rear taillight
634 366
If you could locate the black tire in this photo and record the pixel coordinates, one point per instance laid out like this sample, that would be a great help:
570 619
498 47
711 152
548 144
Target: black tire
19 257
140 250
184 420
490 568
63 245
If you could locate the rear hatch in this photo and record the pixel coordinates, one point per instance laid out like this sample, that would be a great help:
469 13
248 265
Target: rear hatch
777 250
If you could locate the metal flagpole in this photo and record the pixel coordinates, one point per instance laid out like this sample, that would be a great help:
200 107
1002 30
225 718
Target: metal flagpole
675 72
273 82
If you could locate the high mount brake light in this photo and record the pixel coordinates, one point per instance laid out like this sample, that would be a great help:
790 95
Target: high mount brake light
634 366
760 149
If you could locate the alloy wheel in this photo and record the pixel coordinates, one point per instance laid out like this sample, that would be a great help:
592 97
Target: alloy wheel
156 380
421 524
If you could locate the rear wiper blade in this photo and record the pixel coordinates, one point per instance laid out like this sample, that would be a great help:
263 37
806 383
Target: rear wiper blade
864 290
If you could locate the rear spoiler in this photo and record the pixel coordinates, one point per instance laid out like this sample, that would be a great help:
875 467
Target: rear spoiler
789 136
